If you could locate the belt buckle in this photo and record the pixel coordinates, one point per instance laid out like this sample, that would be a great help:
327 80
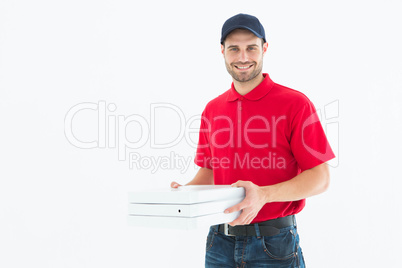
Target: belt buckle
226 229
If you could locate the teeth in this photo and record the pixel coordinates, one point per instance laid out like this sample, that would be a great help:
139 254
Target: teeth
245 67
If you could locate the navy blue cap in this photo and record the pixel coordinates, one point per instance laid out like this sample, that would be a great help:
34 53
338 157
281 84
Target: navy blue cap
243 21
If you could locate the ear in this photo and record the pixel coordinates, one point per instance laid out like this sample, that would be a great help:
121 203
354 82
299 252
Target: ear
264 48
222 49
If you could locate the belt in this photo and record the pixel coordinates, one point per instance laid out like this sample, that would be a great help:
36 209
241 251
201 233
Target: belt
266 228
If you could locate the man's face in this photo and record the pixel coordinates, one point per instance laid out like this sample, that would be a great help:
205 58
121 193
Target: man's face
243 53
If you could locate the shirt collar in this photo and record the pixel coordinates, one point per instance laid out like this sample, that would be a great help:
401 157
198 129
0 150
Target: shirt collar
257 93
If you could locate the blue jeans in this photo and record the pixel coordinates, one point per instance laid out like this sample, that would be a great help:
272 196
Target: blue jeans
280 250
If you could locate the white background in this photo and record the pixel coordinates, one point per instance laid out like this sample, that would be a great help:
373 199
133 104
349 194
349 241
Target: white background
63 206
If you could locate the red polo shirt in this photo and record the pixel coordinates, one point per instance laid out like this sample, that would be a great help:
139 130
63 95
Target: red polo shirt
267 136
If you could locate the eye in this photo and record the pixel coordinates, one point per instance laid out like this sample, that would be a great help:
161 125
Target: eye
234 49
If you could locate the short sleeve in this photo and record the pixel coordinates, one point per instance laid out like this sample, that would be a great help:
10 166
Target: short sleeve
203 155
308 141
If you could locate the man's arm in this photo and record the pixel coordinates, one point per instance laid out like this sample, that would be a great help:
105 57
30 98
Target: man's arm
204 176
308 183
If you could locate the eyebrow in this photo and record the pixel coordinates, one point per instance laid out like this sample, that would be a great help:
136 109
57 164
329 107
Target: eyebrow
254 45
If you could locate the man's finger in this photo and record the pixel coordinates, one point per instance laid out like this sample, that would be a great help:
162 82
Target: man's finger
240 220
174 184
249 219
235 208
237 184
232 209
244 184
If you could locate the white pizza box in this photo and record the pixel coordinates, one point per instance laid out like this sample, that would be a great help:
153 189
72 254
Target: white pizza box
183 223
189 194
182 210
187 207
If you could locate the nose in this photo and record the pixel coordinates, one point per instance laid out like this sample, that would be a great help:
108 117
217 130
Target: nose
243 57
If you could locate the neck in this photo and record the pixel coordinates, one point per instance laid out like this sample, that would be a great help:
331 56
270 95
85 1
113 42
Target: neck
245 87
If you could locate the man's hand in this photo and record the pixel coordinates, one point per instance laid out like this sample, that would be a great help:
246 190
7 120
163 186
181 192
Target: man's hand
204 176
253 202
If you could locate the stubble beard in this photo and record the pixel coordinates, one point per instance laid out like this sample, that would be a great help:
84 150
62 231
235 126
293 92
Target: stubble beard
243 77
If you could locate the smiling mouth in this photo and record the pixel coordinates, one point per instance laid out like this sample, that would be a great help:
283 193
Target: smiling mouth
243 68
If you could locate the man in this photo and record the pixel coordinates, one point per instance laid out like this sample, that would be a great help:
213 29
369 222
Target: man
266 138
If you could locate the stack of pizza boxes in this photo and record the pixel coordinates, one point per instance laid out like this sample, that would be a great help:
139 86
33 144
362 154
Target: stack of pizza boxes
186 207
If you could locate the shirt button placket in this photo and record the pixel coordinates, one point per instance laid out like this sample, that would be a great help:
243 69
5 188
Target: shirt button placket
240 112
238 127
240 109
